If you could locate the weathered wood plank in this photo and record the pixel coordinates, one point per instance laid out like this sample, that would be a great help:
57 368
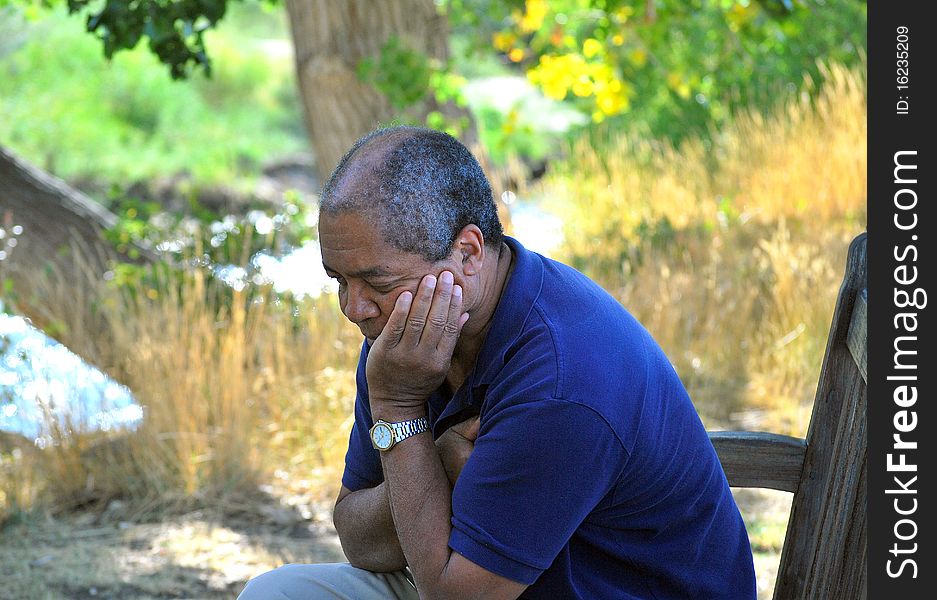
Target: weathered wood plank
857 339
841 520
825 547
762 460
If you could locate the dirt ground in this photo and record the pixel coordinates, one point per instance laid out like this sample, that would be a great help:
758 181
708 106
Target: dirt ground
198 556
186 556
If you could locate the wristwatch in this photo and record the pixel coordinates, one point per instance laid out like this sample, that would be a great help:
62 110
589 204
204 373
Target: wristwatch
385 436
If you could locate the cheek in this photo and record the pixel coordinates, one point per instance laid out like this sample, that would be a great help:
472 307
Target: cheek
386 304
342 297
386 301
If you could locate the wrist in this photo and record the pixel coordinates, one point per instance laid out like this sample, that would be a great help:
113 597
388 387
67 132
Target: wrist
394 407
387 411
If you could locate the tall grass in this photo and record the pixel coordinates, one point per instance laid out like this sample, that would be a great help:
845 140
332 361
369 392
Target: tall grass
730 253
235 386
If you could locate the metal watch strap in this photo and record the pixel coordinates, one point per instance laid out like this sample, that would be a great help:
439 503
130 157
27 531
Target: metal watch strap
406 429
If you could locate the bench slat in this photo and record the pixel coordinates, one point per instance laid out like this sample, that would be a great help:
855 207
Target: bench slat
825 547
762 460
856 339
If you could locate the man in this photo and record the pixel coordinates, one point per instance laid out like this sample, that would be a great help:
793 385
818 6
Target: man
568 461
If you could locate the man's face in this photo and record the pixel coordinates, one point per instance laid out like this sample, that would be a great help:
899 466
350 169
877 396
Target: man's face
370 272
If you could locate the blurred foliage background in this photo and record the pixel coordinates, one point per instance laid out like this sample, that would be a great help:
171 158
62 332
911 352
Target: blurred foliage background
703 160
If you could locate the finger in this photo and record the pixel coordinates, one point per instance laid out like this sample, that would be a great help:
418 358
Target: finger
454 322
439 316
397 321
419 310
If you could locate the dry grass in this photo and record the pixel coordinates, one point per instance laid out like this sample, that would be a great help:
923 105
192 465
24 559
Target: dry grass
730 252
237 390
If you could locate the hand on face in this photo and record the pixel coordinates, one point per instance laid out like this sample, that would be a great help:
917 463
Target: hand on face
411 356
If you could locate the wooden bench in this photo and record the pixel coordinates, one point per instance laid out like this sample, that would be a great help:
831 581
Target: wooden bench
825 548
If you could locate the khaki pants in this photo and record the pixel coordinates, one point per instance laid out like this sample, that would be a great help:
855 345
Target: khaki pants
335 581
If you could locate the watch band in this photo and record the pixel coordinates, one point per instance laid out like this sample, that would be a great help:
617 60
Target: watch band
406 429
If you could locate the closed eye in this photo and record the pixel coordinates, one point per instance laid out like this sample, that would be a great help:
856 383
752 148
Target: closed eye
383 289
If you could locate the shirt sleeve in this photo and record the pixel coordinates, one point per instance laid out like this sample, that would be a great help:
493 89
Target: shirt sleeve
362 462
538 469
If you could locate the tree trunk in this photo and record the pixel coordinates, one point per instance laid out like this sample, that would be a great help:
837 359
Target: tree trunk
331 37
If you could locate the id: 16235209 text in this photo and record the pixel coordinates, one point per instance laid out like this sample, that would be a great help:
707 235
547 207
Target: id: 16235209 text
902 69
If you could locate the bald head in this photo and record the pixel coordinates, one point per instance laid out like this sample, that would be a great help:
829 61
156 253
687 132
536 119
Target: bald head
419 187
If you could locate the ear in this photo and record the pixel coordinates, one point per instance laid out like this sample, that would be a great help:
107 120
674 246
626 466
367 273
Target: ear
469 249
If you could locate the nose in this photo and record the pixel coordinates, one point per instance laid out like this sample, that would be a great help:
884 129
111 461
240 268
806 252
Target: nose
357 306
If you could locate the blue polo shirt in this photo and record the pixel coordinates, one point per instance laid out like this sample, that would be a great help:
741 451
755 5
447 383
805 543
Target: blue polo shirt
592 476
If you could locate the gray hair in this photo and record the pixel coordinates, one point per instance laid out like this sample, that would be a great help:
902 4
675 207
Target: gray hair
420 186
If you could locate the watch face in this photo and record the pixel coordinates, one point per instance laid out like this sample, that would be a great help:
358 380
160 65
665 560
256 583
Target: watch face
382 436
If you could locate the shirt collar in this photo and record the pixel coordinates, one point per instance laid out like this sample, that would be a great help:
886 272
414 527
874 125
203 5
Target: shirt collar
517 300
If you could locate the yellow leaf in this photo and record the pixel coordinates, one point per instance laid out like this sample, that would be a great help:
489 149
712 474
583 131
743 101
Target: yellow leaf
534 13
554 90
610 103
583 87
516 55
502 41
591 47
